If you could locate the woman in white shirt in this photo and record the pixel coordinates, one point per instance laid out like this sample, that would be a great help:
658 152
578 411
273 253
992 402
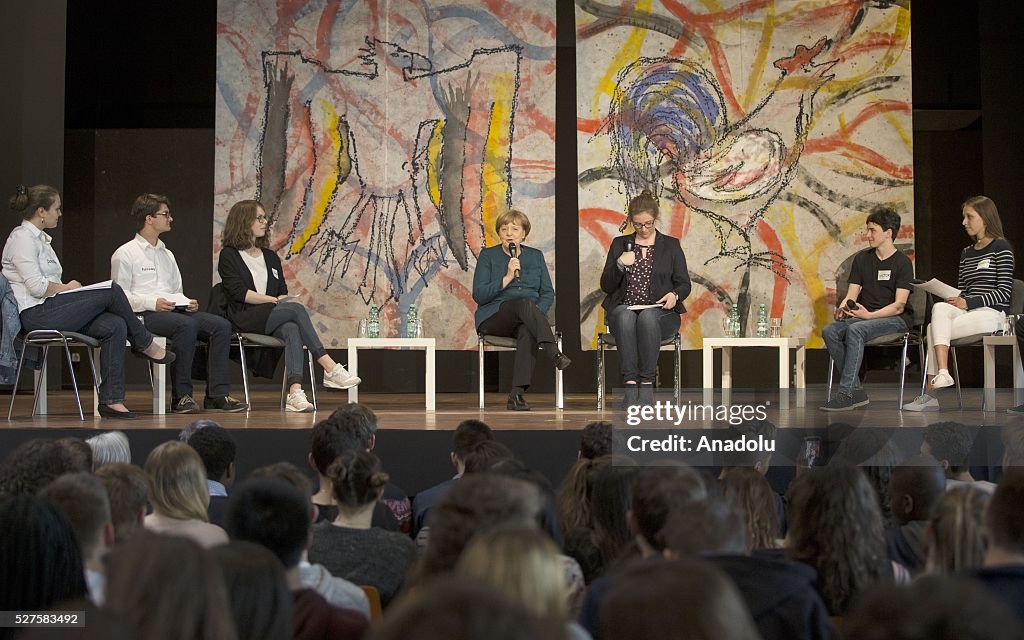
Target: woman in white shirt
34 272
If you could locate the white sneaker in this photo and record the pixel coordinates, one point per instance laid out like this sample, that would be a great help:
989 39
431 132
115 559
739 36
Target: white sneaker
297 402
340 378
923 403
942 380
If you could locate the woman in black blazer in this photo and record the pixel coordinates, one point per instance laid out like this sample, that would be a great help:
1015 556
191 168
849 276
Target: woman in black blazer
254 285
643 269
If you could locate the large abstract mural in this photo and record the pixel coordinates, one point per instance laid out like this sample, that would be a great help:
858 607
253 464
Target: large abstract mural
768 130
384 139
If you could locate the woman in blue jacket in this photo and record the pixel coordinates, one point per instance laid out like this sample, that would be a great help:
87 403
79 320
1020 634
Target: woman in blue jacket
513 289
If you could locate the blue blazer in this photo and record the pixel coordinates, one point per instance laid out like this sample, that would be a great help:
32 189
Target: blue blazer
534 281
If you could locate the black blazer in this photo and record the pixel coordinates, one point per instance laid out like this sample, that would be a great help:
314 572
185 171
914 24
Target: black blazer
236 279
668 274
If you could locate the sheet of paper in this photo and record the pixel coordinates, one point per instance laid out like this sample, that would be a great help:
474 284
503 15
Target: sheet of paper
89 287
938 288
639 307
179 299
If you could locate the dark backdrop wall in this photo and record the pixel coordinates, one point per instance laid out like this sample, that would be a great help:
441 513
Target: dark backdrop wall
139 116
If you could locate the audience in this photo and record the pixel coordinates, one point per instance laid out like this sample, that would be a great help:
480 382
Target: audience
956 535
109 447
128 493
1013 444
79 453
34 464
1003 570
261 604
876 455
467 434
349 546
749 492
914 489
950 443
216 447
83 499
608 537
276 515
178 492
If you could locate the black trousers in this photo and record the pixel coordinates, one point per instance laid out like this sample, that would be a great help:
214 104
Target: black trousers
521 319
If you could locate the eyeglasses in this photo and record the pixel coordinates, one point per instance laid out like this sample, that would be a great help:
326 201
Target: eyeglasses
643 225
166 214
261 218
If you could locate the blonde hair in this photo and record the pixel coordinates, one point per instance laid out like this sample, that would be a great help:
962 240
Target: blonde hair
177 482
513 216
958 534
523 564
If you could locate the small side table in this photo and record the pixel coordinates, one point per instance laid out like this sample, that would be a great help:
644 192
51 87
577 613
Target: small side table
782 344
989 343
429 345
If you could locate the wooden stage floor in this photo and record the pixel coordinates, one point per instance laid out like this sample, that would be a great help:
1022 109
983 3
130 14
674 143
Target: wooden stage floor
405 411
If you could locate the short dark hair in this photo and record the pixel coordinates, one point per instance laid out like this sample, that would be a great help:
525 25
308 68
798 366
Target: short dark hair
1005 517
659 491
261 603
468 434
83 499
485 455
273 514
701 528
596 440
285 472
887 218
334 436
127 492
216 446
367 419
146 205
34 464
79 452
950 441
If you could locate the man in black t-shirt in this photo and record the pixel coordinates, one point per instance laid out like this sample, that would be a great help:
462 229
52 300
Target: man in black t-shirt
875 305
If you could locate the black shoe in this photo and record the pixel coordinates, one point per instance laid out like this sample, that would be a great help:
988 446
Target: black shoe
107 412
224 404
839 402
859 397
1017 411
516 402
561 361
630 397
645 395
184 404
167 359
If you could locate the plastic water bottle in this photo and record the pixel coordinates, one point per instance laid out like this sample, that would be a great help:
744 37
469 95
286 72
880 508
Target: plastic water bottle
734 322
373 323
762 321
411 322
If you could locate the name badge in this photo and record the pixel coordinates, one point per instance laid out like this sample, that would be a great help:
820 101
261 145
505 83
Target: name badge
274 271
985 264
884 274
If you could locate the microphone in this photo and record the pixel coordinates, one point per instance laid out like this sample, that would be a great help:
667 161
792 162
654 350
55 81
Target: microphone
512 252
628 247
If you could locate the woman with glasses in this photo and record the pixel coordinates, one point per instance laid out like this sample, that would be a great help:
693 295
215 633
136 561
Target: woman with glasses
35 275
256 292
646 280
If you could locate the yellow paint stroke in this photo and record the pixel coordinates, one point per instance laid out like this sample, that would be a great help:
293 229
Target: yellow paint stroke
493 173
753 91
434 143
336 149
629 52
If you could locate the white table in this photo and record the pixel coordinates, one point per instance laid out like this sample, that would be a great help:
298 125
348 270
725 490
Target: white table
429 345
782 344
989 344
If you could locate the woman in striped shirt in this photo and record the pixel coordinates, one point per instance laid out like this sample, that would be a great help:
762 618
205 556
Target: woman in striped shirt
985 281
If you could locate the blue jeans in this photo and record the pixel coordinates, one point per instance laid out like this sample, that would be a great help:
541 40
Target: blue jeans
638 337
290 322
183 328
845 343
104 314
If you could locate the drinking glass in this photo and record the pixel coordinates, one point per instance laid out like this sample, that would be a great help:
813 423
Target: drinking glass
775 328
362 333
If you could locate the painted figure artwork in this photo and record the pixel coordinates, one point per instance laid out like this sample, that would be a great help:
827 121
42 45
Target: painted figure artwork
767 129
384 139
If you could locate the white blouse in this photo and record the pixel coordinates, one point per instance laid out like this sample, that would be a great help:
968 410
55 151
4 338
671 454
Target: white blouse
30 264
258 269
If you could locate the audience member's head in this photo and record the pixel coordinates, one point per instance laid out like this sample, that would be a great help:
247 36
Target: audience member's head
657 493
365 424
109 447
484 455
759 460
273 514
128 492
79 453
168 588
475 504
458 608
185 434
835 526
574 495
467 435
177 482
547 519
40 560
1013 444
1005 520
83 499
285 472
342 431
678 599
216 447
611 500
357 481
957 537
915 487
704 528
875 453
524 565
950 443
34 464
596 440
749 492
261 604
931 608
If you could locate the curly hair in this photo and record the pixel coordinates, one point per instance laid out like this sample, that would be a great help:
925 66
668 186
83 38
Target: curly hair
835 526
749 492
949 441
959 536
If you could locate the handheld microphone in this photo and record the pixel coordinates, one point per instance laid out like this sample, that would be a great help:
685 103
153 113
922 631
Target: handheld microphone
512 252
628 247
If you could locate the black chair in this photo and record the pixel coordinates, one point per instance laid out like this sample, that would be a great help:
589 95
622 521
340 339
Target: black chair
606 341
487 342
44 339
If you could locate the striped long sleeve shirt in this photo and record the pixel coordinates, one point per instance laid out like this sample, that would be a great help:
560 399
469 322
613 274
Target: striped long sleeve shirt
986 276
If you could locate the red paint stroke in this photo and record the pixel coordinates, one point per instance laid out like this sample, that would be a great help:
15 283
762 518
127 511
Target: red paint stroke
591 220
840 141
513 16
772 242
589 125
695 309
324 28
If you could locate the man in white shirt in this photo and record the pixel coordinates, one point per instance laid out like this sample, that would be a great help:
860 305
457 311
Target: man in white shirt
147 271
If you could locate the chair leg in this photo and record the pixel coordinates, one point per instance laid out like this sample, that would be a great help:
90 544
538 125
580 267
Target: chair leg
245 372
956 377
74 380
831 368
480 369
600 372
678 376
312 378
924 369
903 367
95 377
17 377
40 381
559 389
